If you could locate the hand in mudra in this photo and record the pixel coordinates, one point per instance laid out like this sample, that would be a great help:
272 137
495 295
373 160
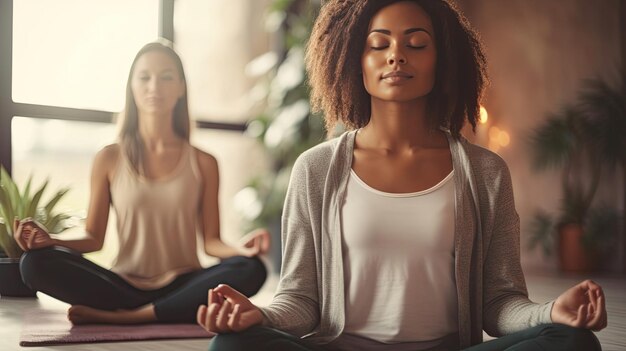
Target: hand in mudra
257 242
227 311
31 235
582 306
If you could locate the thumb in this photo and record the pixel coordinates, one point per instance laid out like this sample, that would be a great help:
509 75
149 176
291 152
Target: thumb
16 223
232 295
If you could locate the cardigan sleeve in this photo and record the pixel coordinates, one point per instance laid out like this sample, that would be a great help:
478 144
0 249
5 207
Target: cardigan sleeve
295 308
506 307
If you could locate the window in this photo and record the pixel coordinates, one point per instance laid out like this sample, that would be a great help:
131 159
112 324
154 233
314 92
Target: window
75 53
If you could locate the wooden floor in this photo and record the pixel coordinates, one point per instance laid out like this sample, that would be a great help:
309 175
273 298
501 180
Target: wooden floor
541 288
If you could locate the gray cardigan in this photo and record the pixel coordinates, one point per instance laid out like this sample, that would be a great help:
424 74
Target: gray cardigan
490 284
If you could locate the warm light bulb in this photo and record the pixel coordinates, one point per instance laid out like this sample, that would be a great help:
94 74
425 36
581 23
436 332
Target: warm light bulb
484 116
503 138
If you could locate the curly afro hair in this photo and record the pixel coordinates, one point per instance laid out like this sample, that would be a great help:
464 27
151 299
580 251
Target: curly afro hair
333 62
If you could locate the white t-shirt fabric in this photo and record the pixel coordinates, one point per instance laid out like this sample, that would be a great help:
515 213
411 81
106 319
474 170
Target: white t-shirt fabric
398 253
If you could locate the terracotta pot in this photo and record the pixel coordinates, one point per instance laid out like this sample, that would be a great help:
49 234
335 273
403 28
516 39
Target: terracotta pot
573 256
11 280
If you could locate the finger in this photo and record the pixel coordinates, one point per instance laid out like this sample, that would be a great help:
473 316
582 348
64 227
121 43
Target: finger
31 239
211 316
590 314
222 316
248 243
256 249
266 242
591 285
581 316
18 235
232 295
210 297
220 297
235 317
16 223
599 318
201 316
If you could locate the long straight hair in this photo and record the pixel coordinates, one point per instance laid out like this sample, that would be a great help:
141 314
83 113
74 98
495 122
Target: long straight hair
129 137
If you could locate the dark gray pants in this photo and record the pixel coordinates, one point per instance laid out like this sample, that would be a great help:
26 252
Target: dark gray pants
547 337
68 276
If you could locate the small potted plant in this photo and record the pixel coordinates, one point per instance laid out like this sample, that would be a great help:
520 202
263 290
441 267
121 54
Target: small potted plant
581 140
16 204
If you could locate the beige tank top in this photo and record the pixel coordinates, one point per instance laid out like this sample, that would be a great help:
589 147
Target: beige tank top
156 222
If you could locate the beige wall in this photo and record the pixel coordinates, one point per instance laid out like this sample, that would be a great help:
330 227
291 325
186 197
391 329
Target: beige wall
538 52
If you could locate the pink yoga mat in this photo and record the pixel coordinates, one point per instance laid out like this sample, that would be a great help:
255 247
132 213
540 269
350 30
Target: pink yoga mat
51 327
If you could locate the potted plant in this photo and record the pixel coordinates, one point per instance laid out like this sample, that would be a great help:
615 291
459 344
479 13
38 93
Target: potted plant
582 140
21 204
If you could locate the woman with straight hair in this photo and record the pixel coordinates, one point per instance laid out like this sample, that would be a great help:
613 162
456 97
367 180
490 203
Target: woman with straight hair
165 193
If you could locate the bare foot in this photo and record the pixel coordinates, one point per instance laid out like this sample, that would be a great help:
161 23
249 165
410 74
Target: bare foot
78 314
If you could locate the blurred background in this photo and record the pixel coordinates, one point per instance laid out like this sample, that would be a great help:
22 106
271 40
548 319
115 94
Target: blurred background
555 109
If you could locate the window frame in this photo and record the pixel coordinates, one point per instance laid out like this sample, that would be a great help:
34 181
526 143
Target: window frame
10 109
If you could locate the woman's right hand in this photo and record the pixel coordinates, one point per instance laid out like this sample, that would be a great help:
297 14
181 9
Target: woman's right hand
29 235
228 311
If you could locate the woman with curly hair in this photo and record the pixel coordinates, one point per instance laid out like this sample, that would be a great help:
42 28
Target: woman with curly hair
400 234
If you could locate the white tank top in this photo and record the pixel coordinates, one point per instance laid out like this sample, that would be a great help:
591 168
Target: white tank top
157 222
398 254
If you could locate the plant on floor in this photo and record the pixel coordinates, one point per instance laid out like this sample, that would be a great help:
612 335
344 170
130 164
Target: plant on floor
583 140
21 204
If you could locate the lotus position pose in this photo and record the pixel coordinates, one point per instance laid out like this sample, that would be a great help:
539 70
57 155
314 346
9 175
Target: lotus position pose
165 193
400 234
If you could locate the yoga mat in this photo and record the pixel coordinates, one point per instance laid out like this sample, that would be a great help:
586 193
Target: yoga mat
51 327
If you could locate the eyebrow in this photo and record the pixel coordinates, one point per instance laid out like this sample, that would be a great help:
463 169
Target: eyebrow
408 31
167 70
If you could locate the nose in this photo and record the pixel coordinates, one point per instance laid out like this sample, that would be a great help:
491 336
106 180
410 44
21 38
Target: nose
153 84
396 57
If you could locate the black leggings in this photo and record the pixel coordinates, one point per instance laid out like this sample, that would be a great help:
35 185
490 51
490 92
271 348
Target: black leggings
547 337
66 275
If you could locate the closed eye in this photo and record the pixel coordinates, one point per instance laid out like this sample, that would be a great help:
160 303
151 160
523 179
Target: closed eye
379 47
417 47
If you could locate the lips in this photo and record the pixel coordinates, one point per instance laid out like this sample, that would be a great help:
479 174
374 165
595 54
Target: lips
153 99
396 75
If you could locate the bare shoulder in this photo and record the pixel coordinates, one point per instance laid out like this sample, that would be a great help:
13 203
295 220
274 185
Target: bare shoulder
206 162
106 160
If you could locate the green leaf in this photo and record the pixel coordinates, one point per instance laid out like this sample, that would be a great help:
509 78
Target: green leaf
7 243
55 199
33 204
602 229
14 203
13 194
56 223
5 203
542 233
26 192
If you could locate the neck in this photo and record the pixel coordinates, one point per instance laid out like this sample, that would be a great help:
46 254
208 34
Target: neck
399 125
156 131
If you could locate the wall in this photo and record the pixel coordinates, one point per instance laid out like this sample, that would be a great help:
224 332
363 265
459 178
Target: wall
538 52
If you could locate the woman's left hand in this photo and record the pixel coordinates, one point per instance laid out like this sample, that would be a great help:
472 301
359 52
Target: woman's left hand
582 306
257 242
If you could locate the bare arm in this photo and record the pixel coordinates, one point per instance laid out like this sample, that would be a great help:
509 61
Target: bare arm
256 242
30 236
104 165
